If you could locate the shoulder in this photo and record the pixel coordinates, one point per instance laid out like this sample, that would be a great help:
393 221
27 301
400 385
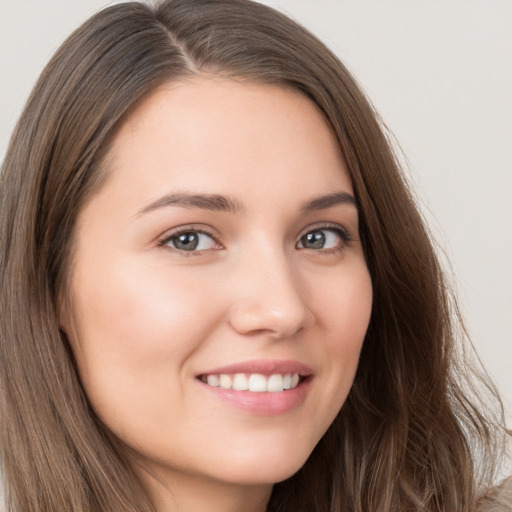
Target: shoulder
498 499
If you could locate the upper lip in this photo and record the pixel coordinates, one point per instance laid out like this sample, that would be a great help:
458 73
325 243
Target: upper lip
264 367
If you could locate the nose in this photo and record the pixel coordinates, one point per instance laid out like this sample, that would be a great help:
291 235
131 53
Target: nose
269 299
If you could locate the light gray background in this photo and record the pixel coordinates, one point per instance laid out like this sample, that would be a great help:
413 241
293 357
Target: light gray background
439 72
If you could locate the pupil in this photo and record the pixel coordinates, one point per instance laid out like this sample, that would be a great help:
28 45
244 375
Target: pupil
314 240
187 241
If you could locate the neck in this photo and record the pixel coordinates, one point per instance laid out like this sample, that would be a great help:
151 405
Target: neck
189 493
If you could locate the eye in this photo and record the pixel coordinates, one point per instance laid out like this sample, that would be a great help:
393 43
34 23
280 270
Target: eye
324 238
190 240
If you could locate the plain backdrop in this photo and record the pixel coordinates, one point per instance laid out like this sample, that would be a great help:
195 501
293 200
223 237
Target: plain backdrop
440 74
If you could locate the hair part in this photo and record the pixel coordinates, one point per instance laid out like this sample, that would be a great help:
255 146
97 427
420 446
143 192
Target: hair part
408 435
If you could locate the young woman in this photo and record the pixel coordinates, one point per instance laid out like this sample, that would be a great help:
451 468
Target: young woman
217 293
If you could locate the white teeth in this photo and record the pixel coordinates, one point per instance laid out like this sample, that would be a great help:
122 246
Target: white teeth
225 381
213 380
275 383
257 383
254 382
240 382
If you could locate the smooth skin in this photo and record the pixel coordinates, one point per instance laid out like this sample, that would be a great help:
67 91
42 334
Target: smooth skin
151 311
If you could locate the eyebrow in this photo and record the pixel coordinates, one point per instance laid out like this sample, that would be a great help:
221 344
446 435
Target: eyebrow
323 202
212 202
216 202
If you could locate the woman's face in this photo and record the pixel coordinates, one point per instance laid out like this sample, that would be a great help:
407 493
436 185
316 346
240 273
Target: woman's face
221 253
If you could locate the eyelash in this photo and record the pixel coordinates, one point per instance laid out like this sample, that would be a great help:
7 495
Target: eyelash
343 233
187 230
339 230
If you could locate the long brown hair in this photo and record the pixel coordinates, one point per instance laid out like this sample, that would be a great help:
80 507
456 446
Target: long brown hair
411 435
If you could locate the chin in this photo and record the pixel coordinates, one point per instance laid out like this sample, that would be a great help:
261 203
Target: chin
268 468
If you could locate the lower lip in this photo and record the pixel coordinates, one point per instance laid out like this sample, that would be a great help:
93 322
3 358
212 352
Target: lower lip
263 403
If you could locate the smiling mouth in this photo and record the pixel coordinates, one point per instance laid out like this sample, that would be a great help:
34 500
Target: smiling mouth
255 382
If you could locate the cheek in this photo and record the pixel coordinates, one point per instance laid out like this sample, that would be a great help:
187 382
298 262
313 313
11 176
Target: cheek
132 307
346 311
136 332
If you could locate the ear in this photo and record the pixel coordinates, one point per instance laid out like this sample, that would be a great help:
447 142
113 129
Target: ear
64 314
67 324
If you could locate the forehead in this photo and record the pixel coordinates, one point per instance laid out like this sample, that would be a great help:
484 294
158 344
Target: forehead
216 133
